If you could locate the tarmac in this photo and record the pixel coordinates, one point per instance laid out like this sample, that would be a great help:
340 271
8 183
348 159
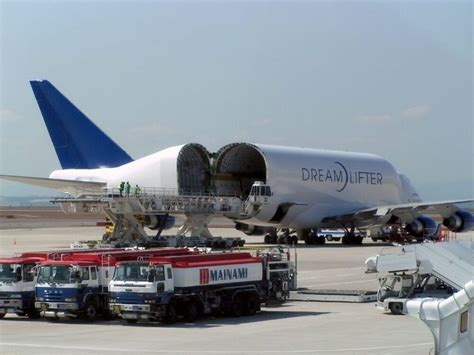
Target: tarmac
294 328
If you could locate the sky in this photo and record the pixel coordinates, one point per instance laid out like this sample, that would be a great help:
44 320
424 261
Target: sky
392 78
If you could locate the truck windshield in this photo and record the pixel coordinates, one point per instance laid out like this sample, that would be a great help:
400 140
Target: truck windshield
55 273
10 272
131 272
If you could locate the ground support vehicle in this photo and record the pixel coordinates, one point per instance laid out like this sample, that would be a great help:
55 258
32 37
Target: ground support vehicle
17 286
434 270
77 285
189 286
18 280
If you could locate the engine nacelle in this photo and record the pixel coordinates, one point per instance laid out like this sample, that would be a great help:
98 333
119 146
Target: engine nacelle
250 229
422 227
159 222
460 221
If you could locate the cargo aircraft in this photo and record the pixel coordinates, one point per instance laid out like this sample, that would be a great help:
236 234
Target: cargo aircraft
297 188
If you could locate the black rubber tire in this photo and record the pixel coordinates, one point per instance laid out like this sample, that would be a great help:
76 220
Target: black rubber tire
251 305
396 308
2 315
90 312
345 240
191 312
375 239
267 239
358 240
131 321
33 314
171 313
241 243
237 308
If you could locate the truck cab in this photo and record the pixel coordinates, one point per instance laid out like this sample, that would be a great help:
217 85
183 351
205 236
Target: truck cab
138 288
260 195
17 286
67 289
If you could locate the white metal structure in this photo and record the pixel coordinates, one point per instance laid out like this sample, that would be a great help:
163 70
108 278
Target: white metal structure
451 321
423 270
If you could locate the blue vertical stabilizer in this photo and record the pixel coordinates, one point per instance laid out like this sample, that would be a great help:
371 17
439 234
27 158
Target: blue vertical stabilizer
79 143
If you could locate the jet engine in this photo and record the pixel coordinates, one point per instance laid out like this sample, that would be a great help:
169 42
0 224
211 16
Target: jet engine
460 221
249 229
423 226
159 222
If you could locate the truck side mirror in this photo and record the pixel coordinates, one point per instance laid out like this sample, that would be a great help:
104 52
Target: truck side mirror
151 276
76 275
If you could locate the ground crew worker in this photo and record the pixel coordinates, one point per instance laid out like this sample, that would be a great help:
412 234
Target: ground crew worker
122 185
127 188
137 190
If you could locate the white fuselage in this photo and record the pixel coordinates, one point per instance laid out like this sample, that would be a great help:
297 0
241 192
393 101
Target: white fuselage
315 183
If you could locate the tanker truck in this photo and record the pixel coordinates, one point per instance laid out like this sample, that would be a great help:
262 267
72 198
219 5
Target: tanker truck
166 288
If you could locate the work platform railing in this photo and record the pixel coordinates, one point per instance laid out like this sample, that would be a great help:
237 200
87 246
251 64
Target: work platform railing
127 207
152 201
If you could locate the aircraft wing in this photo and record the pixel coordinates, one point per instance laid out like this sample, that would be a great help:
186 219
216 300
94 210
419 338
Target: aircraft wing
73 187
406 212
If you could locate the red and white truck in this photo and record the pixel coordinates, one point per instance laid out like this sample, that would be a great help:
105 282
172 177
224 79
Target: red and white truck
168 287
76 285
18 280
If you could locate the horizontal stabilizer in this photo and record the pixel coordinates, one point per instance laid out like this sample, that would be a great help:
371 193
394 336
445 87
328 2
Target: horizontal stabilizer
73 187
78 142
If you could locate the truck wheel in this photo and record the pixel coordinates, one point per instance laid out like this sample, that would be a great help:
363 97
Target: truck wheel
191 312
237 306
396 308
375 239
90 313
171 314
251 306
33 314
2 315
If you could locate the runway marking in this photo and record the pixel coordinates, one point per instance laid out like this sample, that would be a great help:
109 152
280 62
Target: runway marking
340 283
322 270
220 351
